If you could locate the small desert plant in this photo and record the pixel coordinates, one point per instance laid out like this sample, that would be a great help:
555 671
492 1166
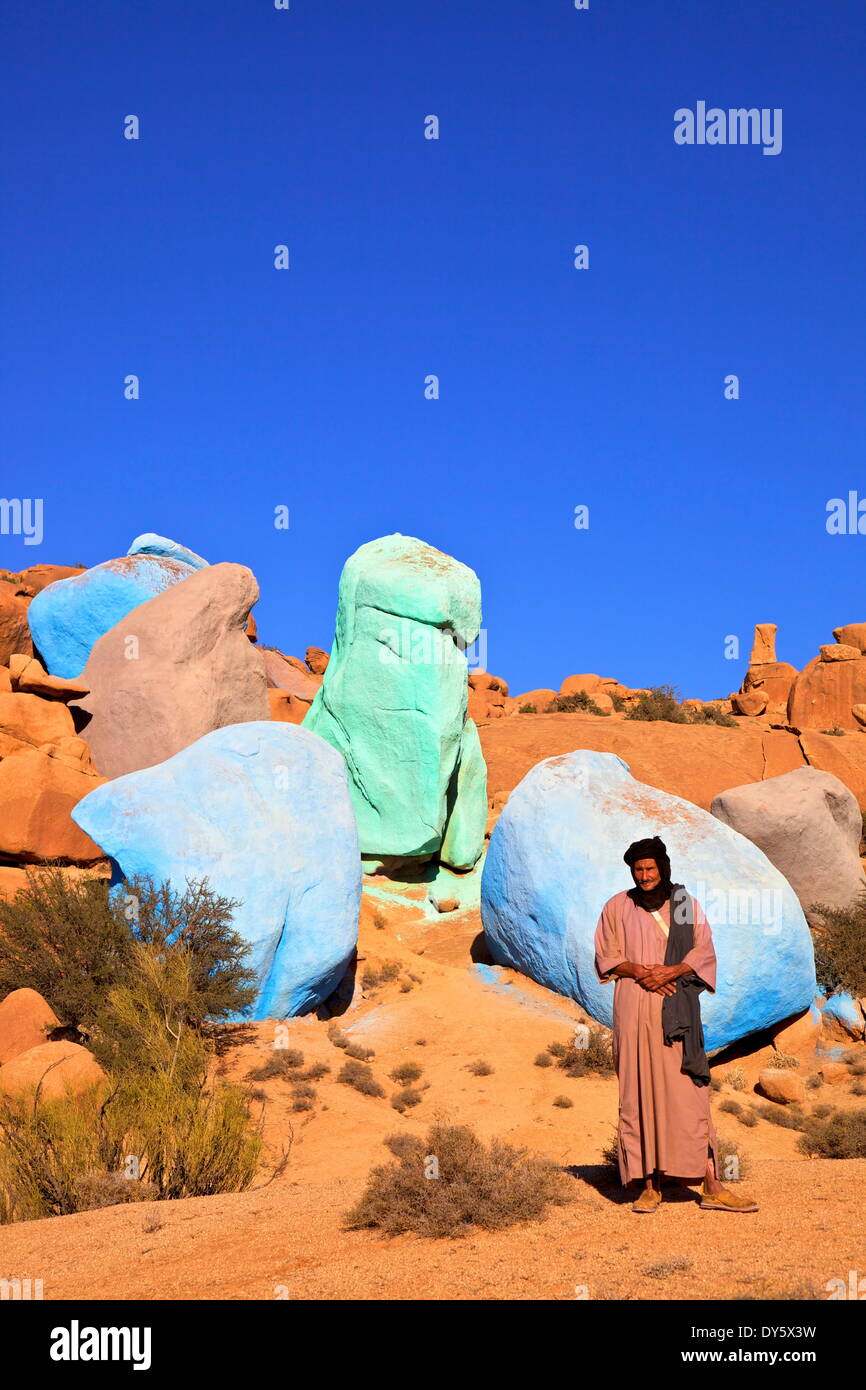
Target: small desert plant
839 938
563 1102
315 1072
570 704
284 1062
785 1116
731 1107
841 1135
610 1152
735 1078
714 714
814 1082
734 1163
715 1083
452 1181
372 977
359 1053
857 1068
480 1068
836 732
360 1077
543 1059
674 1264
596 1055
405 1099
406 1073
528 708
783 1061
747 1118
660 702
858 1089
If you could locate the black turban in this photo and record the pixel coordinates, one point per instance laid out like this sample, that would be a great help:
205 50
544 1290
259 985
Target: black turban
653 848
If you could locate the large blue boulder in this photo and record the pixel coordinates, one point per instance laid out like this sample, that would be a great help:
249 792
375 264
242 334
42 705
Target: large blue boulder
555 857
151 544
68 617
262 810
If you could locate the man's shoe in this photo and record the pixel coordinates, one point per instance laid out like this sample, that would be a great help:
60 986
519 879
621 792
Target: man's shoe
649 1200
726 1201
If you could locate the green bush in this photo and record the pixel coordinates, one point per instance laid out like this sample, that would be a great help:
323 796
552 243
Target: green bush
73 940
839 939
661 702
580 701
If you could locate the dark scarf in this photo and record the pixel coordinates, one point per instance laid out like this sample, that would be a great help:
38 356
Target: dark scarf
681 1011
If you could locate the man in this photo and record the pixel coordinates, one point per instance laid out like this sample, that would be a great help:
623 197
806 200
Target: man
655 941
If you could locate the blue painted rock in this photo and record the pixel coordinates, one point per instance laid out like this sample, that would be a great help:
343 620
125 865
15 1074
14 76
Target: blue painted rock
68 617
845 1011
151 544
394 699
555 857
263 812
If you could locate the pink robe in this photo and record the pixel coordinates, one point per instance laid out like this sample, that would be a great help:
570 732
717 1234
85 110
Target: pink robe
664 1118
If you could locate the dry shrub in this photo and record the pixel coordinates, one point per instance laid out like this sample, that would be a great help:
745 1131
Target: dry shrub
405 1099
735 1078
839 938
480 1068
597 1056
674 1264
734 1162
841 1135
359 1076
283 1062
491 1186
783 1061
406 1073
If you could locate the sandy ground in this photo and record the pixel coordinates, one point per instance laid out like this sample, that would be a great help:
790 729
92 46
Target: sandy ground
447 1010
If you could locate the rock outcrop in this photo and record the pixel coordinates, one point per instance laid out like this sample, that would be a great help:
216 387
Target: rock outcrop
555 857
394 696
262 810
176 669
25 1020
767 682
68 617
809 825
54 1069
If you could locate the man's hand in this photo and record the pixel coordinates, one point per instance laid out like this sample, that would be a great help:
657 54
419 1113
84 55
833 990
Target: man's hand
661 979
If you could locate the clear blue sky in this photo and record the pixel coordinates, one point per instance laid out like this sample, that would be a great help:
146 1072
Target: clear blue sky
408 257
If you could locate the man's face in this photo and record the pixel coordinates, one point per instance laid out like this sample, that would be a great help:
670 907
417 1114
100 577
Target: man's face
646 873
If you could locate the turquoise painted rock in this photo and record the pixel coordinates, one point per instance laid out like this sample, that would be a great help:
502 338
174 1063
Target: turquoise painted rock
393 700
555 857
263 812
151 544
68 617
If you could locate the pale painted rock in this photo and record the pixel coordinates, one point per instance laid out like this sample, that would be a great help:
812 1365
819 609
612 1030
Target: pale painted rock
55 1069
150 544
25 1019
809 825
845 1013
175 669
555 857
467 819
394 693
263 812
782 1085
68 617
